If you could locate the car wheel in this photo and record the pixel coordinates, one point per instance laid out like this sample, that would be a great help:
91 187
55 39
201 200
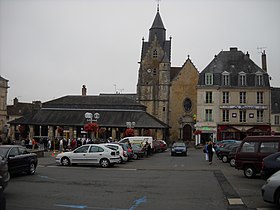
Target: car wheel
135 156
65 161
249 172
225 159
232 162
32 168
104 163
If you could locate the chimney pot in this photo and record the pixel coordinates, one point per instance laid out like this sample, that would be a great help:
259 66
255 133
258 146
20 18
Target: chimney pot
84 90
264 66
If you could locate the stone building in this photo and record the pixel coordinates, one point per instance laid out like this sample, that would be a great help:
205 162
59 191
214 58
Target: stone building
3 106
275 111
168 92
233 95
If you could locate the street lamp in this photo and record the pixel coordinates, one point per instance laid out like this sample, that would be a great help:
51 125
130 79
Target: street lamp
92 117
130 124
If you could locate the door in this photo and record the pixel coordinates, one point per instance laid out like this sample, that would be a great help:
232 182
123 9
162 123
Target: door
80 155
187 133
95 154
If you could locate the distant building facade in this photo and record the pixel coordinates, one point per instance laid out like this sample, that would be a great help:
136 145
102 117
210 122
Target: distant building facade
275 111
168 92
3 106
233 95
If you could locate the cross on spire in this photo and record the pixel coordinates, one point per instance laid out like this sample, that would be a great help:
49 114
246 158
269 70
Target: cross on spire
158 5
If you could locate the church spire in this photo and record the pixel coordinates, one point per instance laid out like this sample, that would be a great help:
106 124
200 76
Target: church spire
157 28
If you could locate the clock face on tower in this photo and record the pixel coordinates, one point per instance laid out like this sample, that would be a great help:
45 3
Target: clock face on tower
187 104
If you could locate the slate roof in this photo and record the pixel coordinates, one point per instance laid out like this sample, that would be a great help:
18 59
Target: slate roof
157 29
19 109
275 100
233 61
114 111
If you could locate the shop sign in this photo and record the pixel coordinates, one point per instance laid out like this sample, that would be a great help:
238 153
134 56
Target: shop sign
242 107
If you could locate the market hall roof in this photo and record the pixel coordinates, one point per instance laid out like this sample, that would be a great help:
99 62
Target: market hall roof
114 111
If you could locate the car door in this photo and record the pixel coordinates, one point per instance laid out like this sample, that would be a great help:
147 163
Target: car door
95 154
15 162
79 155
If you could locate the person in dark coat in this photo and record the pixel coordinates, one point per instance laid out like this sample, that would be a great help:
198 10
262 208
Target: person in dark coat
210 152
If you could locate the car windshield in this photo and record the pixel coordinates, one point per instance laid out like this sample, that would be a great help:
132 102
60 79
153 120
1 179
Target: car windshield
179 145
3 151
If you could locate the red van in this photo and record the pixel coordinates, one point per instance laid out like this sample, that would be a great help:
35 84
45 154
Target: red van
251 152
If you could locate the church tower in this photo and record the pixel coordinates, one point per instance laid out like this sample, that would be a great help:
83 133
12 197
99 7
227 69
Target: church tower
153 87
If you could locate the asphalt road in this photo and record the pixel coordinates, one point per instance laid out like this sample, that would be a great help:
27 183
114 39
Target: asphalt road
158 182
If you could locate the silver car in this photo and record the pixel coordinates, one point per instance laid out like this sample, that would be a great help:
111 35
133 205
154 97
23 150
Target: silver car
270 190
89 154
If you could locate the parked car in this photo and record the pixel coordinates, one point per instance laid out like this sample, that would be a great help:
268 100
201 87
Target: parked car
128 150
223 153
19 159
156 146
223 143
118 147
4 174
163 145
90 154
252 151
270 165
138 152
270 190
231 156
179 148
159 145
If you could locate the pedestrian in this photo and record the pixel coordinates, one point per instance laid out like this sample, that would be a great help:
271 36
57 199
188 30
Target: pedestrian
205 151
61 145
210 152
49 145
33 144
148 149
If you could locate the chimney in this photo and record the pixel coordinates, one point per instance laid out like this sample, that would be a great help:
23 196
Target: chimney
15 101
84 90
264 67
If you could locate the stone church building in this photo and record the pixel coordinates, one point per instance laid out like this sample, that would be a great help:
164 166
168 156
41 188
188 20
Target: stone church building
169 93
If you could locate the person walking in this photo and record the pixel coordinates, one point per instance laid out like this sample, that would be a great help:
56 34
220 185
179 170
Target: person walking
205 151
210 152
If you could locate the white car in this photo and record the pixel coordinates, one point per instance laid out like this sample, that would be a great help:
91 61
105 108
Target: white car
270 190
123 153
89 154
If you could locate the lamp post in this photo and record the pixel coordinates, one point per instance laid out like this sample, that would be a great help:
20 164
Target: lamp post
130 125
92 117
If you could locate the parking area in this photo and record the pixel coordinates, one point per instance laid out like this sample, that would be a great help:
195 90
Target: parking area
160 181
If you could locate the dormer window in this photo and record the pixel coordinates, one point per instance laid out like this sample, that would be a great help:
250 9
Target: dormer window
155 54
242 79
225 78
259 78
208 79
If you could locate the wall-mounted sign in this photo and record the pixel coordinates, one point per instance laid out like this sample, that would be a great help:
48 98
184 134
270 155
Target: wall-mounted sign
251 115
234 115
242 107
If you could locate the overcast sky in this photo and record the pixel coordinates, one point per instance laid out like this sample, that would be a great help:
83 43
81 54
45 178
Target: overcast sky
50 48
